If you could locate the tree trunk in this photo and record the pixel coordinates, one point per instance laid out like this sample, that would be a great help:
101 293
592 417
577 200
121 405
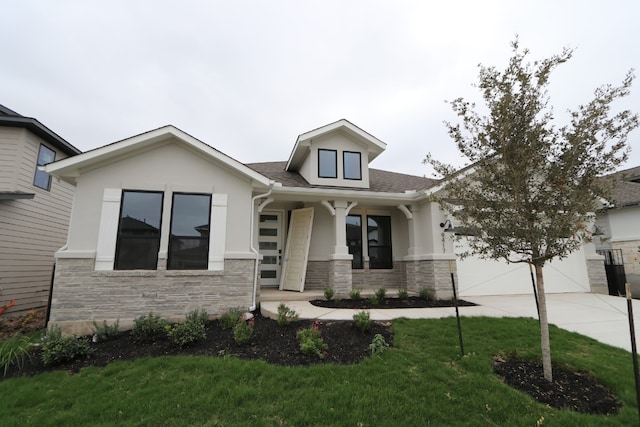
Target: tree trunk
544 326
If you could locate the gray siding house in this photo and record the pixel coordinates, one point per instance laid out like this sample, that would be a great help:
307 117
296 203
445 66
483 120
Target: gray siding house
34 210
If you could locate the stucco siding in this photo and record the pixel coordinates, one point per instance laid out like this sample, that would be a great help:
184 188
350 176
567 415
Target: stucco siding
31 230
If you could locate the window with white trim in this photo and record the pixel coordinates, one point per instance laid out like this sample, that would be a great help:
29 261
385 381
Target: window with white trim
189 238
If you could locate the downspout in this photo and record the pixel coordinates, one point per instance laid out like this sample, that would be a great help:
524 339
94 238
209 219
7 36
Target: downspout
253 249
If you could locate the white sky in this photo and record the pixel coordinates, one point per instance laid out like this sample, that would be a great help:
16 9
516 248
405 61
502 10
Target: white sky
248 77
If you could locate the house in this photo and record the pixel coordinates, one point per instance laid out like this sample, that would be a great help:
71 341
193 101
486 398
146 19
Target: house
163 222
34 210
619 227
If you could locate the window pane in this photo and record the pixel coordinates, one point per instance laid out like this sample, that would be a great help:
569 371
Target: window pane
268 231
270 260
189 238
139 231
268 245
352 168
354 239
269 218
327 164
379 242
268 274
42 179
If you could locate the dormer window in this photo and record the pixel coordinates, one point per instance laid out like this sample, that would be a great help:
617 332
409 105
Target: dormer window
327 163
351 164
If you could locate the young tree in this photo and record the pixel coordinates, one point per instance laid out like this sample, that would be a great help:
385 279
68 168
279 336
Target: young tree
532 188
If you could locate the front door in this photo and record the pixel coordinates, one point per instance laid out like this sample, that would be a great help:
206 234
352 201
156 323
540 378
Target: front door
297 250
270 247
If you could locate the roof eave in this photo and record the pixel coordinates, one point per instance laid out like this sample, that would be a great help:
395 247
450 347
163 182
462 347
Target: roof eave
40 130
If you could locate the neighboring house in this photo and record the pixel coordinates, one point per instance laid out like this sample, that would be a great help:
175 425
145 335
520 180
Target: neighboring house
163 222
34 210
620 225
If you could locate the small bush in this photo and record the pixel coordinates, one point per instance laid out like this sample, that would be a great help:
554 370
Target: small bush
105 331
148 328
242 331
191 331
373 300
426 294
311 343
13 351
286 315
229 318
329 293
380 294
57 349
403 294
378 344
362 320
355 295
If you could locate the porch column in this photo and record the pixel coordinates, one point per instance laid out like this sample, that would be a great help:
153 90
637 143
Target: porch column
340 278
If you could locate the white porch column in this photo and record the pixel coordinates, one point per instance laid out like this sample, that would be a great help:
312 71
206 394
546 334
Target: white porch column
340 275
340 227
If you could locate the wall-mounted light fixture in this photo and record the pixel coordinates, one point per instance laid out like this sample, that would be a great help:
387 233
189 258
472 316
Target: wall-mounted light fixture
458 231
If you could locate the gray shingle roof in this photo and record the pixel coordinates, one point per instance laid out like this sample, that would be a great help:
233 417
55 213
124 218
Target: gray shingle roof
379 180
627 189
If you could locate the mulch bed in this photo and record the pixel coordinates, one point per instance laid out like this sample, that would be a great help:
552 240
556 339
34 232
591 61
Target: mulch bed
571 390
410 302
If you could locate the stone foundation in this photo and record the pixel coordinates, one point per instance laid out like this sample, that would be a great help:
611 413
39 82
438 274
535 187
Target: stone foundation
340 277
430 274
597 275
82 295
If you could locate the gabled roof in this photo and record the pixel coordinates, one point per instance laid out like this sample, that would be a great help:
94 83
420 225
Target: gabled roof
379 180
301 148
70 168
10 118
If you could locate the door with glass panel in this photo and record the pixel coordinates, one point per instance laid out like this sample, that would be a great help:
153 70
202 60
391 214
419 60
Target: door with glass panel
270 247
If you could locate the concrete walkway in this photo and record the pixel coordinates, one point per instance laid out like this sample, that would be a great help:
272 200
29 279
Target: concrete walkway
601 317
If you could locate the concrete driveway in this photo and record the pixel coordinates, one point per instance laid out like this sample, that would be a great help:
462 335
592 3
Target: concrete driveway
601 317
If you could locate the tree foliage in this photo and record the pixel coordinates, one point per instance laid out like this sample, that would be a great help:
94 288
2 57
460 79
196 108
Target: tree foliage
531 190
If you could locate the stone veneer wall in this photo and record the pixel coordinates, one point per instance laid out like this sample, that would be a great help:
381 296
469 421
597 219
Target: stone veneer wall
340 277
82 295
597 275
317 277
373 279
430 274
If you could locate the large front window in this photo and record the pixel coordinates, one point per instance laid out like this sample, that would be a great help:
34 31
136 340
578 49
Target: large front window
189 238
138 238
43 179
379 241
354 239
327 163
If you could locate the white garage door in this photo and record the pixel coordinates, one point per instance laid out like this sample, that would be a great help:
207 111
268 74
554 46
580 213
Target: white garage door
486 277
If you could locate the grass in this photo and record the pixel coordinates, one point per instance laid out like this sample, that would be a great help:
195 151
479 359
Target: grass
421 381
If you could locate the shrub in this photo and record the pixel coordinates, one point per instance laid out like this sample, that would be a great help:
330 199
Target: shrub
355 295
378 344
362 320
311 343
380 294
13 351
229 318
148 328
242 331
105 331
403 294
57 349
286 315
329 293
373 300
192 330
427 294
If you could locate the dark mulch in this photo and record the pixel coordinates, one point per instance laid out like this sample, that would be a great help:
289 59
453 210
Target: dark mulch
577 391
278 345
269 342
410 302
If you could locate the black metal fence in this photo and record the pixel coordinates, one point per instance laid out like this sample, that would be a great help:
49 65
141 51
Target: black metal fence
614 268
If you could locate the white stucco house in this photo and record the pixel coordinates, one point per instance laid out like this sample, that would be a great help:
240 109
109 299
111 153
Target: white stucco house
163 222
619 225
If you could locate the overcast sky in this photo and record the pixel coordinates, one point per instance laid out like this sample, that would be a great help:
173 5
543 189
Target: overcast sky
248 77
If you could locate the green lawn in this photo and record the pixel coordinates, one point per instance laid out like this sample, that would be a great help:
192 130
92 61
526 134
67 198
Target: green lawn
422 381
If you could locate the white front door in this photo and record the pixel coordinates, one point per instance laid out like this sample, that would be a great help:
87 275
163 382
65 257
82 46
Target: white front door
270 247
297 250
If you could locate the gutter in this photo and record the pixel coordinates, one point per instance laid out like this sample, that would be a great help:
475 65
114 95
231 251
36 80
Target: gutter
252 247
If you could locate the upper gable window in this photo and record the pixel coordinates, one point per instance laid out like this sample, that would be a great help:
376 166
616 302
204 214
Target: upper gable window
43 179
352 165
327 163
